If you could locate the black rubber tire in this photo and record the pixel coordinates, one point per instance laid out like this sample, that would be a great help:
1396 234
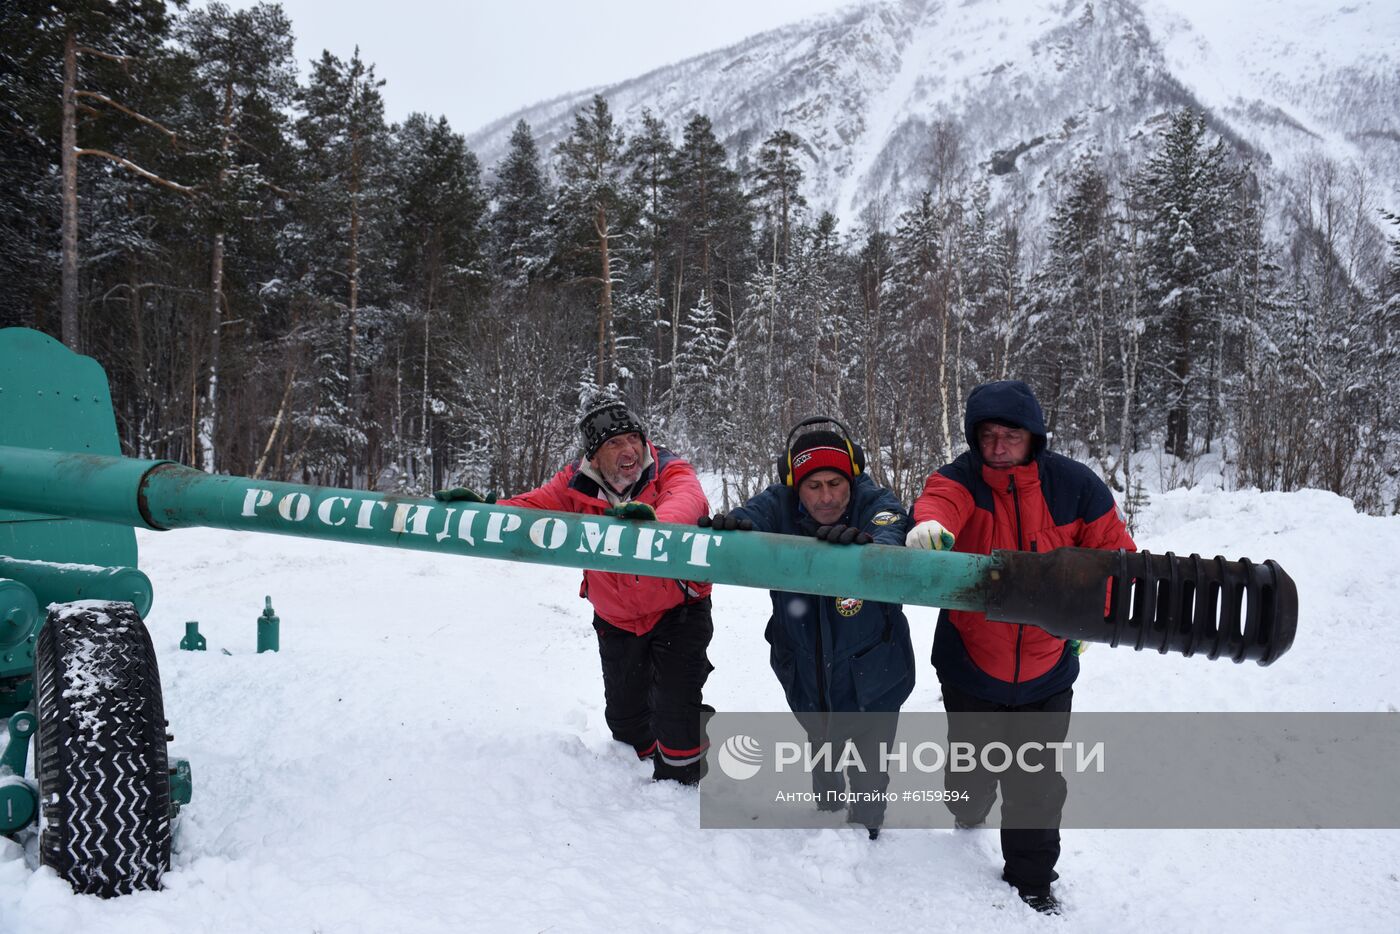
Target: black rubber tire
100 757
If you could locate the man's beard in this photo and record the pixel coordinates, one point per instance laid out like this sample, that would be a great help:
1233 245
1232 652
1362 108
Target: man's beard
619 481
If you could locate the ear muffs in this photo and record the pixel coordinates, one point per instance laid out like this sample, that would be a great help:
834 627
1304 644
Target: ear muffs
784 469
855 450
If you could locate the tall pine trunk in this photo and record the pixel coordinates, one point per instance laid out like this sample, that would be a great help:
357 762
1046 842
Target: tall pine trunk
1128 350
352 324
1178 409
944 401
676 314
606 352
872 409
68 302
139 445
1101 363
424 451
209 420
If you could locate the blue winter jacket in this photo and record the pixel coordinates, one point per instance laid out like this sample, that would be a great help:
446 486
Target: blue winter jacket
837 653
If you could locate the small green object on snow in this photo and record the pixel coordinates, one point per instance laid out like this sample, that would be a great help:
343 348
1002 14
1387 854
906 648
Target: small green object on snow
193 641
181 785
268 625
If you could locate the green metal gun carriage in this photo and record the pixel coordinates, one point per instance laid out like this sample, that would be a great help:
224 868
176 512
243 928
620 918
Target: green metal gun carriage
78 670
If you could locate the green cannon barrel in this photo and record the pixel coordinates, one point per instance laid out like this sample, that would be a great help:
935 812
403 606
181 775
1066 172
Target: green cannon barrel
1073 593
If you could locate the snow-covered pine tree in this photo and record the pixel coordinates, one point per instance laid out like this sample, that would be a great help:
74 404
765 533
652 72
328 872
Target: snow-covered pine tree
820 291
346 204
776 181
1183 192
699 387
1386 318
1081 324
592 215
29 212
138 225
1273 422
710 234
441 272
521 241
648 156
243 77
875 340
1004 296
921 288
1339 261
107 38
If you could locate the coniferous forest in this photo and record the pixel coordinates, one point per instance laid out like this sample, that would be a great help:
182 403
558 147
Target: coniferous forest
282 283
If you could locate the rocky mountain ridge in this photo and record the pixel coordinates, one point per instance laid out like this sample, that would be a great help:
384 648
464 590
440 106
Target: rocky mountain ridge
891 97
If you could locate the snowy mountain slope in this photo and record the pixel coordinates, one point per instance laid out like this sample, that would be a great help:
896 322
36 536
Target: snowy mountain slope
427 754
1029 85
1300 81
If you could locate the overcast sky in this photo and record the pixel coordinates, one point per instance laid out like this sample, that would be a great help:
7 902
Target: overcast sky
476 60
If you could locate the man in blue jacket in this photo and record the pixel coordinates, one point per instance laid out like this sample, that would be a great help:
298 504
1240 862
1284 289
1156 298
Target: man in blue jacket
846 664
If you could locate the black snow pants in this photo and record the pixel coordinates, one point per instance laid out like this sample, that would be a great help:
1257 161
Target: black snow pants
1032 801
652 689
866 733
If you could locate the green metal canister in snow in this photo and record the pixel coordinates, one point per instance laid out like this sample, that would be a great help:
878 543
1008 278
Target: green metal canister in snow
269 635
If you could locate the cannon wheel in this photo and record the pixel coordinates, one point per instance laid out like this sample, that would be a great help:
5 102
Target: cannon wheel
100 757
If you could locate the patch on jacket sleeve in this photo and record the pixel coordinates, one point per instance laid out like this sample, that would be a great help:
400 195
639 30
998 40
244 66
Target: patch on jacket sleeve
885 518
849 606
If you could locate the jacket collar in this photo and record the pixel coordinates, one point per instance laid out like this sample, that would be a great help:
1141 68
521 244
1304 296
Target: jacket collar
999 478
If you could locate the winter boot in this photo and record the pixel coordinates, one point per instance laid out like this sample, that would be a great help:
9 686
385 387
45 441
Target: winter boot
1040 899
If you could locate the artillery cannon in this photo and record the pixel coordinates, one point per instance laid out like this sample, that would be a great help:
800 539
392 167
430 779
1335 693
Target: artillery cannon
69 503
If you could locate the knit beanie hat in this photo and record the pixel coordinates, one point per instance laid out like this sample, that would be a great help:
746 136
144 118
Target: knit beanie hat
607 421
820 450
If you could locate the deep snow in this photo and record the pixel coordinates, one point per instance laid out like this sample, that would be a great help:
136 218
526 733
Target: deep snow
427 753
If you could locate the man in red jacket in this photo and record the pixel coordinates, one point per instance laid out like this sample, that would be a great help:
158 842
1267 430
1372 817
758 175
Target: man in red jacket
652 631
1009 492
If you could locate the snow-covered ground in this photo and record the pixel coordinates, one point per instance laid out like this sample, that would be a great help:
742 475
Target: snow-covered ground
427 753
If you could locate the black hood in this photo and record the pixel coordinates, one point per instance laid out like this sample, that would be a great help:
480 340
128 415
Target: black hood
1010 401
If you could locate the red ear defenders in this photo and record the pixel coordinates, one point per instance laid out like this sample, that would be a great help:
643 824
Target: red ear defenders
855 450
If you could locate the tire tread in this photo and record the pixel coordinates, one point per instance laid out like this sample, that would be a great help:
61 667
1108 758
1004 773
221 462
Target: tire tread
100 754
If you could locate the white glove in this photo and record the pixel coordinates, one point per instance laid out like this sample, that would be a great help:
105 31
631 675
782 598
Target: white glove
930 536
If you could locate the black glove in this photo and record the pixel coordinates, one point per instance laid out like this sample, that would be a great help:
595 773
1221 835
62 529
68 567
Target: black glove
462 494
631 510
844 535
723 522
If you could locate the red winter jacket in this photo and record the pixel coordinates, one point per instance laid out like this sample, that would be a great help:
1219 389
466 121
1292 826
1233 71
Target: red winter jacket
668 485
1052 502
